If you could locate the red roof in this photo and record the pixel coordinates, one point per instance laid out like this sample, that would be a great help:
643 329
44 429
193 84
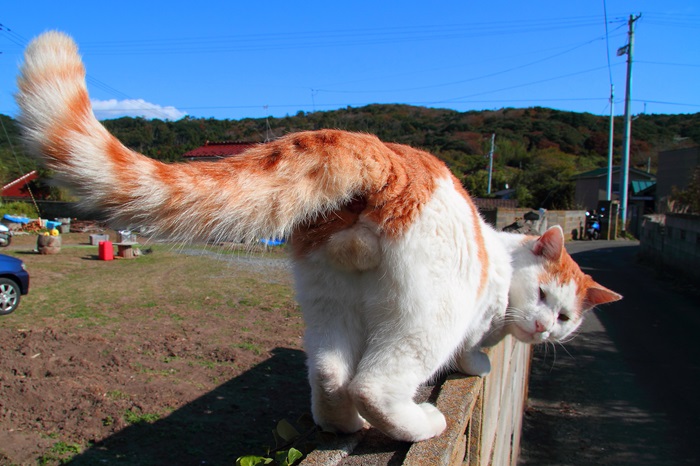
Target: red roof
219 149
17 188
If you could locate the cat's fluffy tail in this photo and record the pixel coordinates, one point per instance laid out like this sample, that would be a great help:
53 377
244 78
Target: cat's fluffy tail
266 193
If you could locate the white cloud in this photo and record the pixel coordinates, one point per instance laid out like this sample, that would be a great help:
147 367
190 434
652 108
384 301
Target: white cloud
113 108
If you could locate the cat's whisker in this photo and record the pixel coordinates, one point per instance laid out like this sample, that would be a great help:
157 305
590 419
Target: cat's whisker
566 350
554 356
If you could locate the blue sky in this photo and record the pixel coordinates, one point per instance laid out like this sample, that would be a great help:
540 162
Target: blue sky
230 59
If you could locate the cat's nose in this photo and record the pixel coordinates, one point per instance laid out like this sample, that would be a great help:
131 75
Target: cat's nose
539 327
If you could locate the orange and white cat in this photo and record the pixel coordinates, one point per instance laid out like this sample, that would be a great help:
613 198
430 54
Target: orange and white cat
397 274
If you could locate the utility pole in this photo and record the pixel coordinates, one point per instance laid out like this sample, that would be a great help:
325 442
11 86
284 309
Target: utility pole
493 137
608 194
624 172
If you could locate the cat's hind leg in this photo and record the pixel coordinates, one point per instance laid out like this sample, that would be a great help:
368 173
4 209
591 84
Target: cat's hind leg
333 341
332 407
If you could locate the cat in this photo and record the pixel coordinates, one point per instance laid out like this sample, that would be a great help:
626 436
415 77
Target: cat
396 273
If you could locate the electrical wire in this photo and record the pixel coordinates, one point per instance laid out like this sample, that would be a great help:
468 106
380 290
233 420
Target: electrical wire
516 86
607 41
334 38
475 78
369 37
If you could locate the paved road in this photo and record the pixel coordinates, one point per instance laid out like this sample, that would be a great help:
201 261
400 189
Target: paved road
626 390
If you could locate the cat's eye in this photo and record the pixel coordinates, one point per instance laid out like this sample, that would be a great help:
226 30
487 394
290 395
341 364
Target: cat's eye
543 295
563 318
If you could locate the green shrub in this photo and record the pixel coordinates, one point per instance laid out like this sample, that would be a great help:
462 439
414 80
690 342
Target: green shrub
18 209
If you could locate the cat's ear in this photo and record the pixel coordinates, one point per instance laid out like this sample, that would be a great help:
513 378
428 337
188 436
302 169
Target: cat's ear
551 244
597 294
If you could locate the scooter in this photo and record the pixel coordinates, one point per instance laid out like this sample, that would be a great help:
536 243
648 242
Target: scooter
5 236
592 227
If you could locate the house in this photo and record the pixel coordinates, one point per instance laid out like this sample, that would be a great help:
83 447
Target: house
19 188
675 170
591 186
218 150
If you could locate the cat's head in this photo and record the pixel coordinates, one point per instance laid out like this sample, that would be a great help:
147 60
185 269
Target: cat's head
549 294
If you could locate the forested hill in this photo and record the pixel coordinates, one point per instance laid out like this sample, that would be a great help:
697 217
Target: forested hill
537 149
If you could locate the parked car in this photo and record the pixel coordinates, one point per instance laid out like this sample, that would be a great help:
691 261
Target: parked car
14 282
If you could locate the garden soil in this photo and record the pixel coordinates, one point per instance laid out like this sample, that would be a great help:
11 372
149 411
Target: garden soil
138 394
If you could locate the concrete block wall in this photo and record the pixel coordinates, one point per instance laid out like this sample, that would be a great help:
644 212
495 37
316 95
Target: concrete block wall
672 241
571 221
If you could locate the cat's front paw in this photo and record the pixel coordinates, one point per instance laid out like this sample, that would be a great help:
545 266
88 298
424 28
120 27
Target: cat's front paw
349 425
436 420
474 363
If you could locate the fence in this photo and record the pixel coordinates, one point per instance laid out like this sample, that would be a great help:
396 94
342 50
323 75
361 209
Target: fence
484 420
571 221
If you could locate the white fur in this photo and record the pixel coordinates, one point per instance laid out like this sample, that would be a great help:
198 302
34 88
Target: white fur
373 336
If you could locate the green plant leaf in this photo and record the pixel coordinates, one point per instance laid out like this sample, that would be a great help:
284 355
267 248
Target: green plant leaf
288 457
252 460
286 431
293 456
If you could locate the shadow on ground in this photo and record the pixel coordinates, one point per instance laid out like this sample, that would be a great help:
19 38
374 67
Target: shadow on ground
624 391
235 419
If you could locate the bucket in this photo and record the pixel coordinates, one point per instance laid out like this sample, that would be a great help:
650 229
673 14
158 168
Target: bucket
48 244
64 226
105 251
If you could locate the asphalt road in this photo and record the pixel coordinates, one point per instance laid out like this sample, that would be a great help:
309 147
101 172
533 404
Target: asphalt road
626 389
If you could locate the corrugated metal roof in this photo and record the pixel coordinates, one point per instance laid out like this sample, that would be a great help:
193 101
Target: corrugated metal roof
639 186
220 149
16 188
600 172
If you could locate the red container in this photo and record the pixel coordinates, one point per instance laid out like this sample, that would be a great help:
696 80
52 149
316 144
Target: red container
105 251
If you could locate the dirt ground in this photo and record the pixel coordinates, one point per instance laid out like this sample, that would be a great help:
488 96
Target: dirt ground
142 391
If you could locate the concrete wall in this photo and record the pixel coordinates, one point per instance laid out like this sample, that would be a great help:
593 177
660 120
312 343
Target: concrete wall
672 241
569 220
484 422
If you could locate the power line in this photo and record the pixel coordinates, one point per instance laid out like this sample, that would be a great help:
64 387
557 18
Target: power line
695 65
334 38
607 40
611 124
475 78
554 78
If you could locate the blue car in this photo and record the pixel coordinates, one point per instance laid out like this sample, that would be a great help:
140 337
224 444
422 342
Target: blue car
14 282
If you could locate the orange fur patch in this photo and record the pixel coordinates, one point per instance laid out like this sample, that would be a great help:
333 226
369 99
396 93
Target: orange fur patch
412 177
313 235
69 72
483 254
481 247
62 133
566 270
